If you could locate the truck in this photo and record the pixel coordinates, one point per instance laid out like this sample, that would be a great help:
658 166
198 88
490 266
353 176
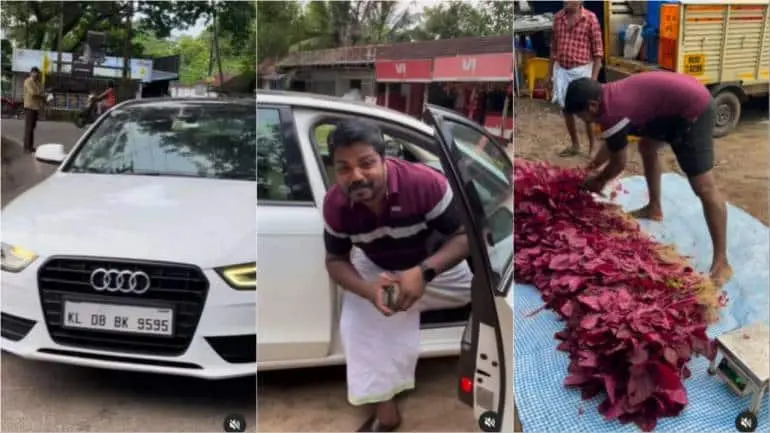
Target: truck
724 45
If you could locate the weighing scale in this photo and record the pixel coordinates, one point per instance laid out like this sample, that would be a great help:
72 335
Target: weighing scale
745 363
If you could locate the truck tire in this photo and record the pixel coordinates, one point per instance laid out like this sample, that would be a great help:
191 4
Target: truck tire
728 112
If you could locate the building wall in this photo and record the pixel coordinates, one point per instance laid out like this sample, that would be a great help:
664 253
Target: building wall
336 82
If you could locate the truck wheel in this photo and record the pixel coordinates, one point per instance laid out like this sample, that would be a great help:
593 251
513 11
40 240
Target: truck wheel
728 112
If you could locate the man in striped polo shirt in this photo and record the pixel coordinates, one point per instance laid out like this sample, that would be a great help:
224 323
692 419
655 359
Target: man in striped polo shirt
388 209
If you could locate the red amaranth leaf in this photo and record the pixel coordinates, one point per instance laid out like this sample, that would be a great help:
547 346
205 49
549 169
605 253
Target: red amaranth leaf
631 313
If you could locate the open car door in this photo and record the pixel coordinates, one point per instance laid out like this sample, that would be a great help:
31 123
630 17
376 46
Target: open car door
480 174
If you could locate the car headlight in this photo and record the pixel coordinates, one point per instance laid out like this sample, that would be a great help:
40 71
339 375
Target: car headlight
15 258
240 277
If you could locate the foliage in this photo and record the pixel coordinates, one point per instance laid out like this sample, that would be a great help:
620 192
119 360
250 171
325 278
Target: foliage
35 25
634 311
287 26
459 19
195 55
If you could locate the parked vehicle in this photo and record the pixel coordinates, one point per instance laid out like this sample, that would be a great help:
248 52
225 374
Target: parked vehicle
88 114
11 108
139 252
726 46
299 311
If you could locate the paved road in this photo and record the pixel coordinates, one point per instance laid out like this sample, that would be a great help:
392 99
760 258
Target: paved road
56 398
21 171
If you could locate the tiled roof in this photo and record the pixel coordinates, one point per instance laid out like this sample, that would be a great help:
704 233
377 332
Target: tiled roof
365 54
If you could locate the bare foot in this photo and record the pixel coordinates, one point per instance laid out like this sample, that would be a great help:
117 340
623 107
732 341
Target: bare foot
570 151
648 213
720 273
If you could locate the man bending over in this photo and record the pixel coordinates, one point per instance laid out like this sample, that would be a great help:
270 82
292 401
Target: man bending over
660 107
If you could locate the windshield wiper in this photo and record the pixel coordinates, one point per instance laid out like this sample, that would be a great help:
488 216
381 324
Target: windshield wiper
87 170
162 173
240 176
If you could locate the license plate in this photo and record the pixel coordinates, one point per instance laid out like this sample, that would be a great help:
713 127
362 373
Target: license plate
118 318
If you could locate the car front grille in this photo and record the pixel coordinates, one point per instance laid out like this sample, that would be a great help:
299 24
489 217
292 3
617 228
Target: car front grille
179 286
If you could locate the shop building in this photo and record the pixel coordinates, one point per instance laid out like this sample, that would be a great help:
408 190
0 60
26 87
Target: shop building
471 75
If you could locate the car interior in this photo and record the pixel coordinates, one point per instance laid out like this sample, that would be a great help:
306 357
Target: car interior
402 149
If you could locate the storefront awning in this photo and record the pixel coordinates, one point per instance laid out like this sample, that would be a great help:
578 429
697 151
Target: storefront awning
474 68
403 71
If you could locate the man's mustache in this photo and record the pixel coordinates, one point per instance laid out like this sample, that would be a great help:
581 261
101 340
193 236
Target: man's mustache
360 185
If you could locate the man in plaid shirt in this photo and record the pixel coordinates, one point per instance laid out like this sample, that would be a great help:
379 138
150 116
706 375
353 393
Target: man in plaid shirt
576 52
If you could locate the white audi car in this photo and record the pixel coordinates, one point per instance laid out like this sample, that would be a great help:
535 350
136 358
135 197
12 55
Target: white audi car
299 305
139 252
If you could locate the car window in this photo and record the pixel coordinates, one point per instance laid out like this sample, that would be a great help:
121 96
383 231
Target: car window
173 138
487 169
281 172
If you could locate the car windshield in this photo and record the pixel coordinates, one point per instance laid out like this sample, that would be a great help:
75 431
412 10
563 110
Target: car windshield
198 139
486 172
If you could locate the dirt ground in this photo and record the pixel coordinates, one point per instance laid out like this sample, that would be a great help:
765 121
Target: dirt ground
314 400
741 157
742 164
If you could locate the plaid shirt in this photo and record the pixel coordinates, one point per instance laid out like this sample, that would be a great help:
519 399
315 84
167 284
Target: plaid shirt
579 44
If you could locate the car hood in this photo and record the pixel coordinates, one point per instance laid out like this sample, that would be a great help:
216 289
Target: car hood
205 222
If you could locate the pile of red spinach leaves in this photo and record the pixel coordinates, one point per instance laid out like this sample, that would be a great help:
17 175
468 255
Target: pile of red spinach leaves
635 311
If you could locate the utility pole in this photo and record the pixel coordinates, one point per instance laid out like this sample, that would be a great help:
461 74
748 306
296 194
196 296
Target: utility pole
127 50
59 42
216 44
26 28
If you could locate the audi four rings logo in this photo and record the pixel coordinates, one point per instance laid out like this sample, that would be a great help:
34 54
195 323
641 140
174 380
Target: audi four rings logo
113 280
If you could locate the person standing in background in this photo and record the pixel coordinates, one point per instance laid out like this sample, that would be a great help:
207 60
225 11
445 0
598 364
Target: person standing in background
108 99
576 52
355 91
34 98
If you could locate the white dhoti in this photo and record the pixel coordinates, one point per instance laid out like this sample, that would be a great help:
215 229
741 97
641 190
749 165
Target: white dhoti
382 352
562 77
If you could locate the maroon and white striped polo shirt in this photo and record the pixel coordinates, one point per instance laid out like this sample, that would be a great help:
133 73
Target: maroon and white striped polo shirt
419 201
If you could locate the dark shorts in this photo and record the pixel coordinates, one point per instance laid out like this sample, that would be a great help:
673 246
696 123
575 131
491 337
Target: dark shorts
691 142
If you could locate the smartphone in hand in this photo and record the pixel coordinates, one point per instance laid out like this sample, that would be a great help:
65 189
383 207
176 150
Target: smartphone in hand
391 297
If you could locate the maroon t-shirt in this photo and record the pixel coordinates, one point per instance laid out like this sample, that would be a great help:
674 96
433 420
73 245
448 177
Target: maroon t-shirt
640 98
419 202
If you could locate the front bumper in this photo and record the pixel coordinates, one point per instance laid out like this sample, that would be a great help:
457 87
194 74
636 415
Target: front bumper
223 344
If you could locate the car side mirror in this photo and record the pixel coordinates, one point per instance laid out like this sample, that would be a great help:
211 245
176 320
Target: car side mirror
50 153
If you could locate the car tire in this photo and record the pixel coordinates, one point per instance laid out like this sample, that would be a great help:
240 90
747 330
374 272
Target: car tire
728 112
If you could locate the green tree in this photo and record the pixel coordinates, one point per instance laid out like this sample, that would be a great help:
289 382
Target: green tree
461 19
279 26
194 53
346 23
34 24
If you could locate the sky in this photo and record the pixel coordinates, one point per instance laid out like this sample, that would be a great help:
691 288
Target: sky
191 31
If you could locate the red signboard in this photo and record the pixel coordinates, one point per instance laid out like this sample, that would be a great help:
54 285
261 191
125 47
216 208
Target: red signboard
479 67
494 124
403 71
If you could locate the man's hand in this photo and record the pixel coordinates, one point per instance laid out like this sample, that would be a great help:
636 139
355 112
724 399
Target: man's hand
411 287
377 292
594 184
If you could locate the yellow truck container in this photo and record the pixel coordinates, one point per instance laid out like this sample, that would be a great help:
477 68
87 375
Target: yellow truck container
725 45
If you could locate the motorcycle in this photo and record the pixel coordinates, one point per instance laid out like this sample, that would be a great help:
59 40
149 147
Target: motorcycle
87 115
